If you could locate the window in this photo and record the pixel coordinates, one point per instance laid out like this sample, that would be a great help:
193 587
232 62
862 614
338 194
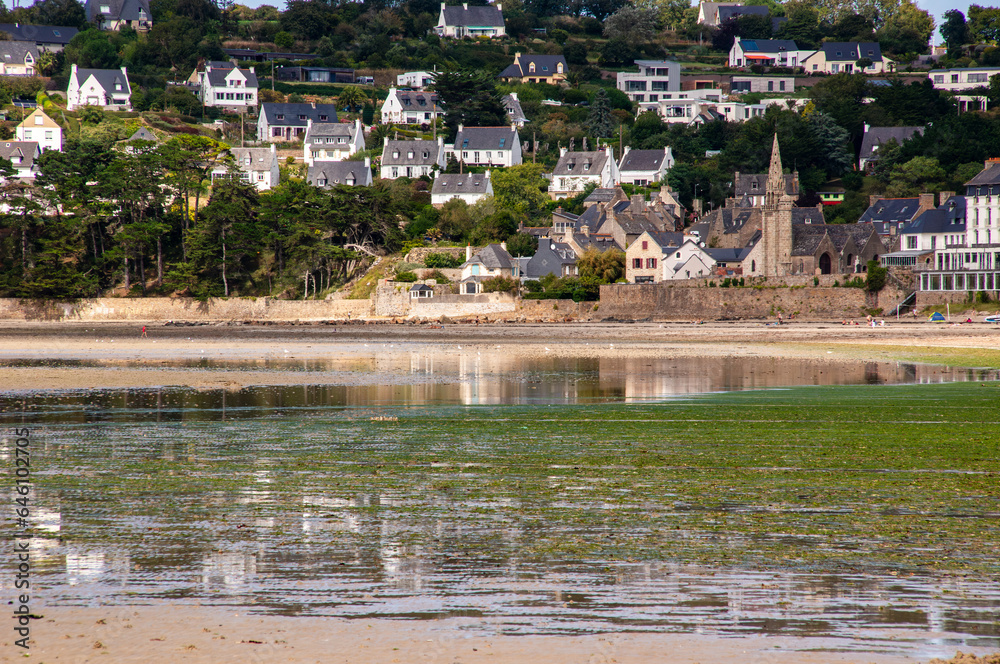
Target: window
770 86
651 263
978 78
502 141
645 245
105 9
280 117
302 117
38 119
911 242
323 118
781 86
938 78
637 263
395 154
49 135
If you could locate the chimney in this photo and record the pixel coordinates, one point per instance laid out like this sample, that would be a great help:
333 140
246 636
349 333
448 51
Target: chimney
503 245
585 230
867 128
926 201
442 5
274 151
874 198
499 7
562 152
637 204
944 196
368 162
385 141
465 6
468 252
460 127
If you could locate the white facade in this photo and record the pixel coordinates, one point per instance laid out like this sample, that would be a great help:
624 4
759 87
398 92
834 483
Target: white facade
418 80
405 107
683 107
468 187
645 171
486 146
332 142
257 166
106 88
42 129
475 21
653 79
688 261
231 88
575 170
956 80
411 159
780 53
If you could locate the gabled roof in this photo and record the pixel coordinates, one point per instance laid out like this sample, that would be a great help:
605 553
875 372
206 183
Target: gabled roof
721 255
545 65
767 45
473 16
948 218
642 160
39 34
143 134
217 77
744 184
291 114
493 256
106 78
261 159
549 258
398 153
486 138
514 111
808 215
664 239
15 52
581 163
891 210
989 175
852 51
875 137
417 100
600 195
118 10
338 172
26 150
732 11
330 130
454 183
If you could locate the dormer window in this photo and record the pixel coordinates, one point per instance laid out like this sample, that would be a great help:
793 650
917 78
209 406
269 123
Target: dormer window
118 87
426 154
586 167
105 9
409 155
302 117
531 68
395 154
502 141
323 118
753 186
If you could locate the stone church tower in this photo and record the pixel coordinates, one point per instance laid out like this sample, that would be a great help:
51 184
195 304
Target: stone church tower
776 223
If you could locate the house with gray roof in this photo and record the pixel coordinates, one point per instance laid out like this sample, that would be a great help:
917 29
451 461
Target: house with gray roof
332 141
890 215
771 52
143 134
18 58
551 257
939 228
467 20
118 14
326 174
51 38
412 159
256 166
842 58
486 146
513 107
23 155
411 107
875 137
106 88
646 257
550 69
708 12
748 188
576 169
289 121
468 187
225 85
492 261
643 167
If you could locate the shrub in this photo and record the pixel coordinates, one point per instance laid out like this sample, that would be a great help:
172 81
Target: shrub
501 284
407 276
439 259
876 277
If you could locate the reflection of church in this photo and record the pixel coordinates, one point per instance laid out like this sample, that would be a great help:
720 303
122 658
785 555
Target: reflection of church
787 239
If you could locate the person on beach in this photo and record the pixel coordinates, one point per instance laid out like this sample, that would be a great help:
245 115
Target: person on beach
143 335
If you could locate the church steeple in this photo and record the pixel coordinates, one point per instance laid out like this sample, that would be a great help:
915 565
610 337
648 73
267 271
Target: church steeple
775 187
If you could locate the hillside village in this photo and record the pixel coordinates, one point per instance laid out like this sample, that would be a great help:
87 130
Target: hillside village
194 149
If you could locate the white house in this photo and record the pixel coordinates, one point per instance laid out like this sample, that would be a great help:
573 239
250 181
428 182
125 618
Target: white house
468 187
288 122
938 228
42 129
492 261
118 14
23 155
843 57
957 80
410 107
257 166
654 78
708 12
487 146
470 21
107 88
575 170
18 58
644 167
411 159
332 142
332 173
514 111
683 107
418 80
771 52
227 86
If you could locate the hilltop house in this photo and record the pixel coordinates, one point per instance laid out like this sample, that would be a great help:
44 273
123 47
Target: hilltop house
487 146
326 174
225 85
417 80
890 215
42 129
550 69
23 155
708 12
938 228
470 21
645 167
289 122
328 141
18 58
411 159
468 187
513 107
575 170
653 79
876 137
51 38
107 88
118 14
843 57
771 52
410 107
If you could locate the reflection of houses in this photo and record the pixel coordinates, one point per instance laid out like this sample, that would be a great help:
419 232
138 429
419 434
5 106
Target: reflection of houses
41 128
470 21
106 88
549 69
326 174
644 167
411 159
468 187
289 122
332 141
493 261
575 170
410 107
876 137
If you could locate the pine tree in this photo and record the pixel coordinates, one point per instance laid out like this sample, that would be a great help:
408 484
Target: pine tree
600 122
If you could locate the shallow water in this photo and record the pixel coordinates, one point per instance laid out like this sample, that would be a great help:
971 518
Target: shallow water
484 498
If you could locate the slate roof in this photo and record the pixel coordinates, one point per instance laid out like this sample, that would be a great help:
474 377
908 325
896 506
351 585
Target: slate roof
416 288
599 241
291 112
768 45
549 258
425 153
39 34
514 110
143 134
852 51
329 130
12 52
948 218
745 181
667 238
338 172
545 65
454 183
418 100
891 210
486 138
806 239
261 159
217 77
581 163
808 215
726 13
25 149
642 160
720 255
473 16
989 175
876 137
123 10
494 257
600 195
108 78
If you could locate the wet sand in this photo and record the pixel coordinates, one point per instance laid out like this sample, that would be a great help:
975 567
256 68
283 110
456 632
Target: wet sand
126 360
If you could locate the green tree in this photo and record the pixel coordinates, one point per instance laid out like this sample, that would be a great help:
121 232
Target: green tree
832 144
519 189
907 30
916 176
352 97
954 29
469 98
631 24
454 220
604 267
984 24
522 244
600 122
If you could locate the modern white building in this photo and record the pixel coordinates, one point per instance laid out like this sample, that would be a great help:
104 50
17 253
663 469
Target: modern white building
470 21
410 107
105 88
417 80
654 78
40 128
958 80
486 146
225 85
743 84
332 141
683 107
468 187
412 159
